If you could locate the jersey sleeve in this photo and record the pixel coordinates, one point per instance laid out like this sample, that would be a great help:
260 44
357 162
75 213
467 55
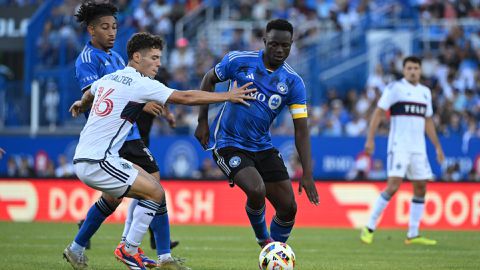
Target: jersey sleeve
93 88
86 73
429 112
297 103
222 69
154 91
387 98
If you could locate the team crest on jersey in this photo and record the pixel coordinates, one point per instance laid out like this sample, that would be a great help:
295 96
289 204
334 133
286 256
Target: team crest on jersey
282 87
235 161
125 166
274 102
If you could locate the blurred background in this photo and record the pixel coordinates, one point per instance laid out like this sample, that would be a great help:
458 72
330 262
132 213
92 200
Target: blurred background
346 52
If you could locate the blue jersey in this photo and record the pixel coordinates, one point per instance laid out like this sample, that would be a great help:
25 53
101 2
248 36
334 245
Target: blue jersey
245 127
92 64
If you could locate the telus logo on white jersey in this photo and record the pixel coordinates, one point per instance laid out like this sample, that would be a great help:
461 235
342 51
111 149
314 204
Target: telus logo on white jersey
408 108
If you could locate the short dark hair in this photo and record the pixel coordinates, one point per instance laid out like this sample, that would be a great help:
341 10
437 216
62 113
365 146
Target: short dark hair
141 41
280 24
90 11
412 59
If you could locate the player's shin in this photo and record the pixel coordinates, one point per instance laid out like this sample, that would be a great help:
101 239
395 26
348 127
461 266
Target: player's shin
257 220
129 218
280 229
378 208
161 231
142 217
417 205
95 217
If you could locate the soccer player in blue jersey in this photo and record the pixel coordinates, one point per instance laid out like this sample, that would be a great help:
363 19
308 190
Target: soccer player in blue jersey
96 60
240 137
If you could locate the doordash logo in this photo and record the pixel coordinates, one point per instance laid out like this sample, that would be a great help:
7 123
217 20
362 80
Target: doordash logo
18 200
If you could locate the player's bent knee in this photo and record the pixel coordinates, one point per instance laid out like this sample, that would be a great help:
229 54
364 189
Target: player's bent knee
111 201
156 193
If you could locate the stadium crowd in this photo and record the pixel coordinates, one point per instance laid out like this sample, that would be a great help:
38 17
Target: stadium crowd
450 68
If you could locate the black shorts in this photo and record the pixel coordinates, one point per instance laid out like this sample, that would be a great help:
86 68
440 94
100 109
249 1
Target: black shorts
269 163
135 151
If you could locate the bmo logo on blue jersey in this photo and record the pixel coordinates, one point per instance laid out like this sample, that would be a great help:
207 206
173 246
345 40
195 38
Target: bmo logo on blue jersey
274 102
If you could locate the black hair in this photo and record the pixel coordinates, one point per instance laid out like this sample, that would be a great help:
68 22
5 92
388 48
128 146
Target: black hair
280 24
141 41
412 59
90 11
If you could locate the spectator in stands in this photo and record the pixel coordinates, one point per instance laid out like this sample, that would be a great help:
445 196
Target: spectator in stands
357 126
25 169
474 174
50 102
182 55
452 173
237 43
12 168
361 167
378 171
64 168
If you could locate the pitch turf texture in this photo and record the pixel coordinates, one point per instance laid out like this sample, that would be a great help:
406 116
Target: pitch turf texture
40 246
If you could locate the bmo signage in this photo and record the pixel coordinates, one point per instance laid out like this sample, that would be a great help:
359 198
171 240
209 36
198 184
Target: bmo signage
448 205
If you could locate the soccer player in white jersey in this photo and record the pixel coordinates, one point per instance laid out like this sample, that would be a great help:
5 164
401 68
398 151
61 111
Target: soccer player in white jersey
410 105
118 98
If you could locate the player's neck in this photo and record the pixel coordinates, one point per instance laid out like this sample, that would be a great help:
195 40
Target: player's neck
98 46
414 83
268 67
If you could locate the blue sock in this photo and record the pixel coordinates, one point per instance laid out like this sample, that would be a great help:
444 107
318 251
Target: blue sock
95 217
280 229
161 230
257 220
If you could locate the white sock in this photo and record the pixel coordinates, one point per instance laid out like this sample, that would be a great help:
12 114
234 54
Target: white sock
128 220
76 247
164 257
131 248
142 216
378 208
416 212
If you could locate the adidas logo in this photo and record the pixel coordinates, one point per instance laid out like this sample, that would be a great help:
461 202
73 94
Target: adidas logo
250 76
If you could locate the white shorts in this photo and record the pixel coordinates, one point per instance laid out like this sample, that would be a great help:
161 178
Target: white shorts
113 176
414 166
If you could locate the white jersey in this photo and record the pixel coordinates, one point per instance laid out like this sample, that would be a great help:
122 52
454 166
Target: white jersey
409 105
119 98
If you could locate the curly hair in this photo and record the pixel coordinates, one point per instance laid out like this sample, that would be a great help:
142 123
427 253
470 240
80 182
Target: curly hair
141 41
279 24
90 11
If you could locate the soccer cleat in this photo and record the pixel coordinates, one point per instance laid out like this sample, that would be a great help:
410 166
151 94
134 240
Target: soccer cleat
172 264
174 244
77 261
366 236
265 242
149 263
419 240
133 262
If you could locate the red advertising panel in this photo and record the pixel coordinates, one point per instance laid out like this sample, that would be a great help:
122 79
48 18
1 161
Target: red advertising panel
448 205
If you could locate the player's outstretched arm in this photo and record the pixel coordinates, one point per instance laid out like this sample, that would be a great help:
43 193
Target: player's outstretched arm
197 97
82 105
202 132
302 143
432 135
374 122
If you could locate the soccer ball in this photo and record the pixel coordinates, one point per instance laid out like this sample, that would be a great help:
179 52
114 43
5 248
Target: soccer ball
276 256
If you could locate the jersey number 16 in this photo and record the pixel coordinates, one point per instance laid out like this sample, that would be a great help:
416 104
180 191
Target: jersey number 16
100 109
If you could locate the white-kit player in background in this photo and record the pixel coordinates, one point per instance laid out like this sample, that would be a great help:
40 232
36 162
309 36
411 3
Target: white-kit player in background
118 98
410 105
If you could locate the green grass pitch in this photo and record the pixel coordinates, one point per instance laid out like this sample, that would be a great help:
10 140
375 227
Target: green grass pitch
40 246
